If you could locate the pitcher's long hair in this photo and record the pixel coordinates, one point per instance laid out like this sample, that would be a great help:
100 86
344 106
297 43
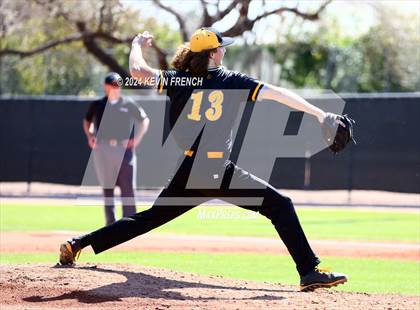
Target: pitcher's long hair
195 63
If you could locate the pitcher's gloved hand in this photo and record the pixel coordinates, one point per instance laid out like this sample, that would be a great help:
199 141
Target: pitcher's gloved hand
337 131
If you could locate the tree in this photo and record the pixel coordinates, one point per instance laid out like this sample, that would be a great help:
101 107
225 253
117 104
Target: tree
105 28
42 53
384 59
390 53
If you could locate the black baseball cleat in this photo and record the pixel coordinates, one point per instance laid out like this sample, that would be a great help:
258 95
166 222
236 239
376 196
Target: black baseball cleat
70 252
319 278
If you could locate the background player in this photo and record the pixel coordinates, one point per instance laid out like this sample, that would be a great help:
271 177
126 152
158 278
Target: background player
203 57
114 144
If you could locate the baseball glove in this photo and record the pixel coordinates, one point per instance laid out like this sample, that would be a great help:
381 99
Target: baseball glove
337 131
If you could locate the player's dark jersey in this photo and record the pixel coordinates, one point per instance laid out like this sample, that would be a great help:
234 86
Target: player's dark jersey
213 104
117 119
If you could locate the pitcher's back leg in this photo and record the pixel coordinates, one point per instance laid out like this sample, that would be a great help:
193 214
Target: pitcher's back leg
281 212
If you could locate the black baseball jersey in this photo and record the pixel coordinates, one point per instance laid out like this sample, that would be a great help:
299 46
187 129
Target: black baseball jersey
119 119
211 105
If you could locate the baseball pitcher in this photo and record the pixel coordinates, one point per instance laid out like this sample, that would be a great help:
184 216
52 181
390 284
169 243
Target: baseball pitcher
208 104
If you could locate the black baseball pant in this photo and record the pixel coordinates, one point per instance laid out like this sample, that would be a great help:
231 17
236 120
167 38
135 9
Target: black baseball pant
276 207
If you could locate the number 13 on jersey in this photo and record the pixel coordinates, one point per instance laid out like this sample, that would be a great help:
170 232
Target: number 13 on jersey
213 113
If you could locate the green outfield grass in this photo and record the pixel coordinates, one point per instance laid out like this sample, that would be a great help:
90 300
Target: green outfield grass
322 223
366 275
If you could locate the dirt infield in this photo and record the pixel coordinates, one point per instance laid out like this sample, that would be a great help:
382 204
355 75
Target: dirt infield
32 242
126 286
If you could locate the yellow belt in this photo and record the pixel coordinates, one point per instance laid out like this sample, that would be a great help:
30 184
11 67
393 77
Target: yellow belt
190 153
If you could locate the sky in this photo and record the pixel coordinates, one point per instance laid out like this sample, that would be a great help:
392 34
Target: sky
354 17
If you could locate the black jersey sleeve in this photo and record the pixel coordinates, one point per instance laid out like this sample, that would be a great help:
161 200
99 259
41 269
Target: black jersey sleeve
90 114
239 80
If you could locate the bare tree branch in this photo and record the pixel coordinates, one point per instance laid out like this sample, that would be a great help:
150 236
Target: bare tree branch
207 19
110 38
92 47
89 38
101 16
245 24
308 16
222 14
179 18
88 41
42 48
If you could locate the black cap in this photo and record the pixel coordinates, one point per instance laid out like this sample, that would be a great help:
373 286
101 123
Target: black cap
113 78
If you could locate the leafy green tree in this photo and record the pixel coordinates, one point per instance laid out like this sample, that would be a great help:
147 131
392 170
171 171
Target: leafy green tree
385 59
390 55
